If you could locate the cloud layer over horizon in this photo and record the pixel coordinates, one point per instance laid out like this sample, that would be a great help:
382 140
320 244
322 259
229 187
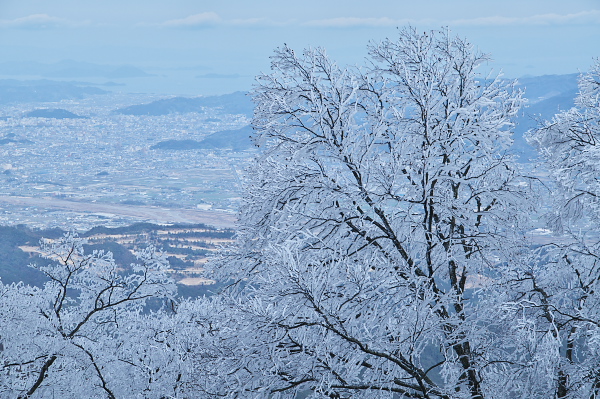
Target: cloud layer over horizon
208 19
237 38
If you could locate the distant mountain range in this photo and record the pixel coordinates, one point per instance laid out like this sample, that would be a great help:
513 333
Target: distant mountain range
12 138
57 113
237 140
70 69
234 103
8 140
17 91
546 96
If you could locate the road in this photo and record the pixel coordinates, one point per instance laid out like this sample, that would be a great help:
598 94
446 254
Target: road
155 214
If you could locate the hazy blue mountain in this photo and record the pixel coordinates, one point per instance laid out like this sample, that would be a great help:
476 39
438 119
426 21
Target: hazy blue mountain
539 88
8 140
69 69
177 145
234 103
547 95
57 113
237 140
17 91
112 84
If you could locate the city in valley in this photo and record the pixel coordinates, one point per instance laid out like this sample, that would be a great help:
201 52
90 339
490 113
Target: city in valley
77 164
157 169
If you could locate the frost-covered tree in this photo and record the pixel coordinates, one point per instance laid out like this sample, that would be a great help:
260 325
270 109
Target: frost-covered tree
569 147
376 222
86 333
562 305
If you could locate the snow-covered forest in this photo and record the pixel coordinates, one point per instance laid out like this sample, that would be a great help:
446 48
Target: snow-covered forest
384 249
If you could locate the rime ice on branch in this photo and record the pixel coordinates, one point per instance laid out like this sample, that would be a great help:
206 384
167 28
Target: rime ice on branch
383 201
73 337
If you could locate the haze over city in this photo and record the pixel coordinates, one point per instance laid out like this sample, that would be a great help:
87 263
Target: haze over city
210 47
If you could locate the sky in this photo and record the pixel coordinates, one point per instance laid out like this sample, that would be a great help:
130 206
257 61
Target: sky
210 46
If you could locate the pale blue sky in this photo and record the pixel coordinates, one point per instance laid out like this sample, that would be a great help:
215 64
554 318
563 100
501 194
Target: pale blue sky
236 37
